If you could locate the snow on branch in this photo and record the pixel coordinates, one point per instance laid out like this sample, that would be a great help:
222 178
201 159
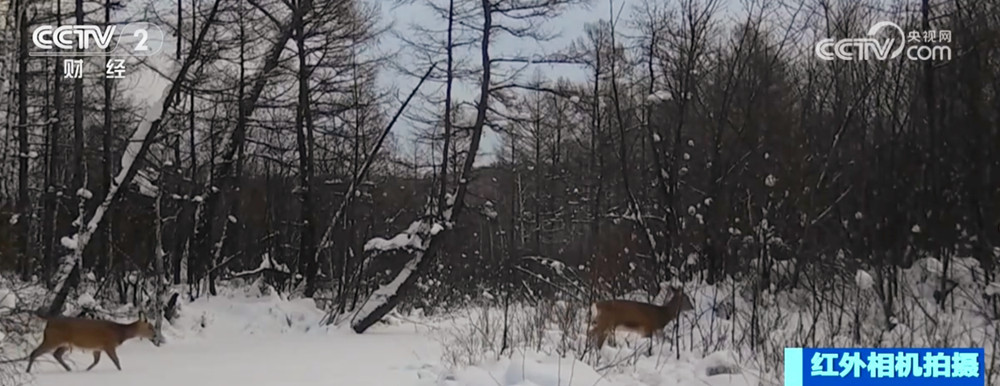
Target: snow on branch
864 280
145 183
563 278
401 241
381 296
659 96
554 264
409 240
267 263
415 239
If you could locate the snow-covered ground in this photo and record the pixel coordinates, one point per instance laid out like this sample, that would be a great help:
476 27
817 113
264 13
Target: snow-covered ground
386 357
243 338
267 341
239 340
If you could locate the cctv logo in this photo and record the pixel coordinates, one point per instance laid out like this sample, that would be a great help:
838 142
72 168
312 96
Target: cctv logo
889 48
133 39
46 36
863 48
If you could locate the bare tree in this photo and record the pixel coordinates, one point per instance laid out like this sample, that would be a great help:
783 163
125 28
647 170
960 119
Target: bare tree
137 148
23 203
430 232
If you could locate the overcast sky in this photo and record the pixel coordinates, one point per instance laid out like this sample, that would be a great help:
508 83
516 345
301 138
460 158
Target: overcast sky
568 27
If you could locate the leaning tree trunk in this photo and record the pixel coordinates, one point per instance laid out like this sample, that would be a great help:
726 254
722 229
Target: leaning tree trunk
137 148
360 174
202 247
386 297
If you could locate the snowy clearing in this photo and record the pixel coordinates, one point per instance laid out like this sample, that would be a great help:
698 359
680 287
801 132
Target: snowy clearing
244 337
245 340
300 359
257 342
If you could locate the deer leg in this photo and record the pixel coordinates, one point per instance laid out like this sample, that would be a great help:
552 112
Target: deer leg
593 336
43 348
651 334
652 341
662 336
97 358
599 334
594 332
114 357
58 354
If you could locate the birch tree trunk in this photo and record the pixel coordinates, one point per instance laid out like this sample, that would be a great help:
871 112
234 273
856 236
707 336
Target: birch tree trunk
159 256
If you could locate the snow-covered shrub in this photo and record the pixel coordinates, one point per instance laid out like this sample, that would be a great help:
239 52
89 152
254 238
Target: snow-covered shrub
750 326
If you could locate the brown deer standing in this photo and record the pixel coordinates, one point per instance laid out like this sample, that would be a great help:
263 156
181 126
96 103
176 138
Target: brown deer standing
643 318
62 333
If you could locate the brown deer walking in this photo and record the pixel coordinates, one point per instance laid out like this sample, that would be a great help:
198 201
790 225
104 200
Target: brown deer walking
62 333
643 318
